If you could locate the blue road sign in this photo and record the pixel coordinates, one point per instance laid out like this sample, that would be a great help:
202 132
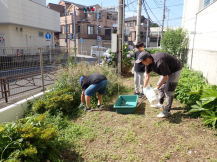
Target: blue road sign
48 36
81 40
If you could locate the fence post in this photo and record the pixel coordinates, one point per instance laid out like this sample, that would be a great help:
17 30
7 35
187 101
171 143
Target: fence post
5 90
42 69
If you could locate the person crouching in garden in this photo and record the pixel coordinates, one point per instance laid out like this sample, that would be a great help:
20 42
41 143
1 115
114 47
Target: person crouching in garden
91 85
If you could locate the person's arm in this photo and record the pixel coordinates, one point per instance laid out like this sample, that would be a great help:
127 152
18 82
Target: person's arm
165 71
162 80
147 78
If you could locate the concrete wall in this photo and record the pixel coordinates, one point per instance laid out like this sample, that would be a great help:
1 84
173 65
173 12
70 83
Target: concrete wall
23 37
201 27
28 13
41 2
17 110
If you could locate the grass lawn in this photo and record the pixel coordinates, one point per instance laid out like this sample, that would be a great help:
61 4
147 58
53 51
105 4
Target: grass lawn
143 137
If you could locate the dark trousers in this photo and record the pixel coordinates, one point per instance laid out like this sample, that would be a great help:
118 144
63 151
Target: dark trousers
167 90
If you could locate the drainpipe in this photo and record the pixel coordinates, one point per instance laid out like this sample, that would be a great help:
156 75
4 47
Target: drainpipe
195 30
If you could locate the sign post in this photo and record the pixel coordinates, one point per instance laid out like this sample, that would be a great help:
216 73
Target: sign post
48 37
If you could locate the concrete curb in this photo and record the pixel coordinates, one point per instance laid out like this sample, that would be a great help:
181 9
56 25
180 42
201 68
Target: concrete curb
16 111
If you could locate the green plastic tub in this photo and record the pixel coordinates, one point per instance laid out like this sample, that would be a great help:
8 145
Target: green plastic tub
126 104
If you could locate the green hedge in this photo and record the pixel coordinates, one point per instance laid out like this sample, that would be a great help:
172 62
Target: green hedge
190 81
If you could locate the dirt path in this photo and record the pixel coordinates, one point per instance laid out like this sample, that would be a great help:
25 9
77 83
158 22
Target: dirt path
143 137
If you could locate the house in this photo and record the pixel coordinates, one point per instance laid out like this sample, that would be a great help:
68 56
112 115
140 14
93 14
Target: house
130 28
199 22
24 23
88 27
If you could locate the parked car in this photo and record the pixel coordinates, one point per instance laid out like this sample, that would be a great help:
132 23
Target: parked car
98 51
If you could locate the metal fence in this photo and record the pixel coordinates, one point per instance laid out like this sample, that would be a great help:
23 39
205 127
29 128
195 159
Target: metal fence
28 71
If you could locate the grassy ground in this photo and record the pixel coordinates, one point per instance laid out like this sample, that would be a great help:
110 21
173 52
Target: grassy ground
143 137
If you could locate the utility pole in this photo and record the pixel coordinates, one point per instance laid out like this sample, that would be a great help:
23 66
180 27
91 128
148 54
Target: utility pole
168 15
138 26
120 34
147 25
164 16
97 34
74 32
66 30
123 28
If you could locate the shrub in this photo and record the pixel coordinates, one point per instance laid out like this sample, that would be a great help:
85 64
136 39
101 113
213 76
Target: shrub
175 42
29 139
190 82
63 101
155 50
206 107
69 79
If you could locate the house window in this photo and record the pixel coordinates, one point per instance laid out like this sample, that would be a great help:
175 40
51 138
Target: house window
90 30
79 29
40 34
208 2
99 15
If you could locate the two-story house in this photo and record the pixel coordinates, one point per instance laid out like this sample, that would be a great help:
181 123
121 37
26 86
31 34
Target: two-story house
24 23
200 23
88 26
130 28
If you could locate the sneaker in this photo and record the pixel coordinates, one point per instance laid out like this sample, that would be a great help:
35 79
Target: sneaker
158 106
164 115
135 93
100 107
141 95
81 106
87 109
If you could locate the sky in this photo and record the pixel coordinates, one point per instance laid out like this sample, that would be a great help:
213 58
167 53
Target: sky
155 9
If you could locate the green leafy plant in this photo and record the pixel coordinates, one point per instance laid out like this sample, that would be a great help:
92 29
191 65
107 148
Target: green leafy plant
207 106
29 139
175 42
155 50
63 101
189 87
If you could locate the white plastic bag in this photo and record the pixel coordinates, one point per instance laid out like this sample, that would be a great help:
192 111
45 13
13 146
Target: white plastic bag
151 95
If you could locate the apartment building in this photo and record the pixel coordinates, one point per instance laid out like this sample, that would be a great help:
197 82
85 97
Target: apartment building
24 23
199 22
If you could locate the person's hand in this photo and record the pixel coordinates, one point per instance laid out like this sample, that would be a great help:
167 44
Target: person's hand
156 89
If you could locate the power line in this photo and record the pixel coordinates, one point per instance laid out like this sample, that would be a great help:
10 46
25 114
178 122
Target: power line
152 12
180 4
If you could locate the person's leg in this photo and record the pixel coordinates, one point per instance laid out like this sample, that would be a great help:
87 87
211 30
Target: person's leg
136 82
170 87
82 98
90 91
161 94
141 81
99 97
101 91
87 99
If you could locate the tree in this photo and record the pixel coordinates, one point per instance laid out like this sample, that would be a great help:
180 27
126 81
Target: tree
175 42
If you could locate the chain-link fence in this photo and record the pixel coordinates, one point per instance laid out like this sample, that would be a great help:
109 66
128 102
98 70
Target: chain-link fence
28 71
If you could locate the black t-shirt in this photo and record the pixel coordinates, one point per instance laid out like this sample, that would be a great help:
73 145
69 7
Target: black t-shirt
139 67
164 64
92 79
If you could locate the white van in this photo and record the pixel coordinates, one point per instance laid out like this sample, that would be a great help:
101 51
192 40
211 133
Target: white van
98 51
